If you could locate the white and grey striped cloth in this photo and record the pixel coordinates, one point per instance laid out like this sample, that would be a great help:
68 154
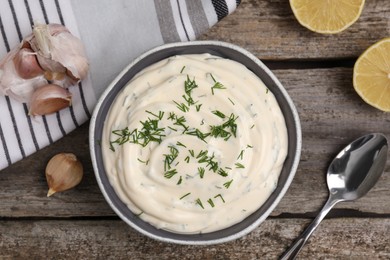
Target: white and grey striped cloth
114 33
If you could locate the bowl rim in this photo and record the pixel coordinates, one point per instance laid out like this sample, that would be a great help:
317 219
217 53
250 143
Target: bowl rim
93 145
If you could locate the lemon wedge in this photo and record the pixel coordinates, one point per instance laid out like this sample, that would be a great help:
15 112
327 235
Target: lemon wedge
371 75
327 16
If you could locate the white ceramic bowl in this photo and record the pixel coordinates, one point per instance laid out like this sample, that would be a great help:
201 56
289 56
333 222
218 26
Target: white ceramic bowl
225 50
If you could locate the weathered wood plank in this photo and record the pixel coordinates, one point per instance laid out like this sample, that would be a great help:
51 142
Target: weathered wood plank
270 30
331 113
334 239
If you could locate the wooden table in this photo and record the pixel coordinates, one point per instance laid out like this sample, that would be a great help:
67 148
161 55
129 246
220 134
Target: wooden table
316 70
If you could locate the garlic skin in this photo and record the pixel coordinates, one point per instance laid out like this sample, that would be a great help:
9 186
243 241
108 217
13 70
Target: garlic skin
63 172
49 99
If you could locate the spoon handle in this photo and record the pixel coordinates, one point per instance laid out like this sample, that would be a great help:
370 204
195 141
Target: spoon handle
294 249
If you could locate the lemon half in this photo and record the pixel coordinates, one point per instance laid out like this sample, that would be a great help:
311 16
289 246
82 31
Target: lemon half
327 16
371 75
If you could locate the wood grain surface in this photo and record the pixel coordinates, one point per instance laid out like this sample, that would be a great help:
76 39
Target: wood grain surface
316 70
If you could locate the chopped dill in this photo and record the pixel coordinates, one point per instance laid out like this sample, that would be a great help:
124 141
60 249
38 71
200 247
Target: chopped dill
185 195
210 201
141 161
179 181
226 129
201 172
222 172
181 106
169 158
228 183
173 129
199 202
241 155
220 196
196 132
180 144
239 166
159 116
170 173
217 85
218 113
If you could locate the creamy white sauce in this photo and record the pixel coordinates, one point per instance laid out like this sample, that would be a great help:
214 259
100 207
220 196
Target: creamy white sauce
185 202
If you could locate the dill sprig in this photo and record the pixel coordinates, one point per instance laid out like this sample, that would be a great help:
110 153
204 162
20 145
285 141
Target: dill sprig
150 132
210 201
226 129
159 116
219 114
189 85
181 106
196 132
228 183
179 121
222 172
210 161
217 84
201 172
170 173
169 158
239 166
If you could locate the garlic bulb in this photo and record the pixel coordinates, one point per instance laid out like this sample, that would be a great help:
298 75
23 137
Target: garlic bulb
50 55
59 50
49 99
63 172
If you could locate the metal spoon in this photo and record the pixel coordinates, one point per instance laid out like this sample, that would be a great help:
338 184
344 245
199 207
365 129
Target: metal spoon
353 172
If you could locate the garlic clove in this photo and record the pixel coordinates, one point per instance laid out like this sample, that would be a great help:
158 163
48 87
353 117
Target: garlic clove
63 172
13 85
49 99
26 64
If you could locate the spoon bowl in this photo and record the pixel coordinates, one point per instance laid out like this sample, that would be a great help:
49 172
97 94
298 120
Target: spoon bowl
351 174
357 168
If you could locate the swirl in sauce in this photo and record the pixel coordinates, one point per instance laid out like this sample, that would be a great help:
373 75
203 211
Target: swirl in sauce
194 143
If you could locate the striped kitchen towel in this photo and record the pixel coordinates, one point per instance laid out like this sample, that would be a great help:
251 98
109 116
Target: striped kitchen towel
113 32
